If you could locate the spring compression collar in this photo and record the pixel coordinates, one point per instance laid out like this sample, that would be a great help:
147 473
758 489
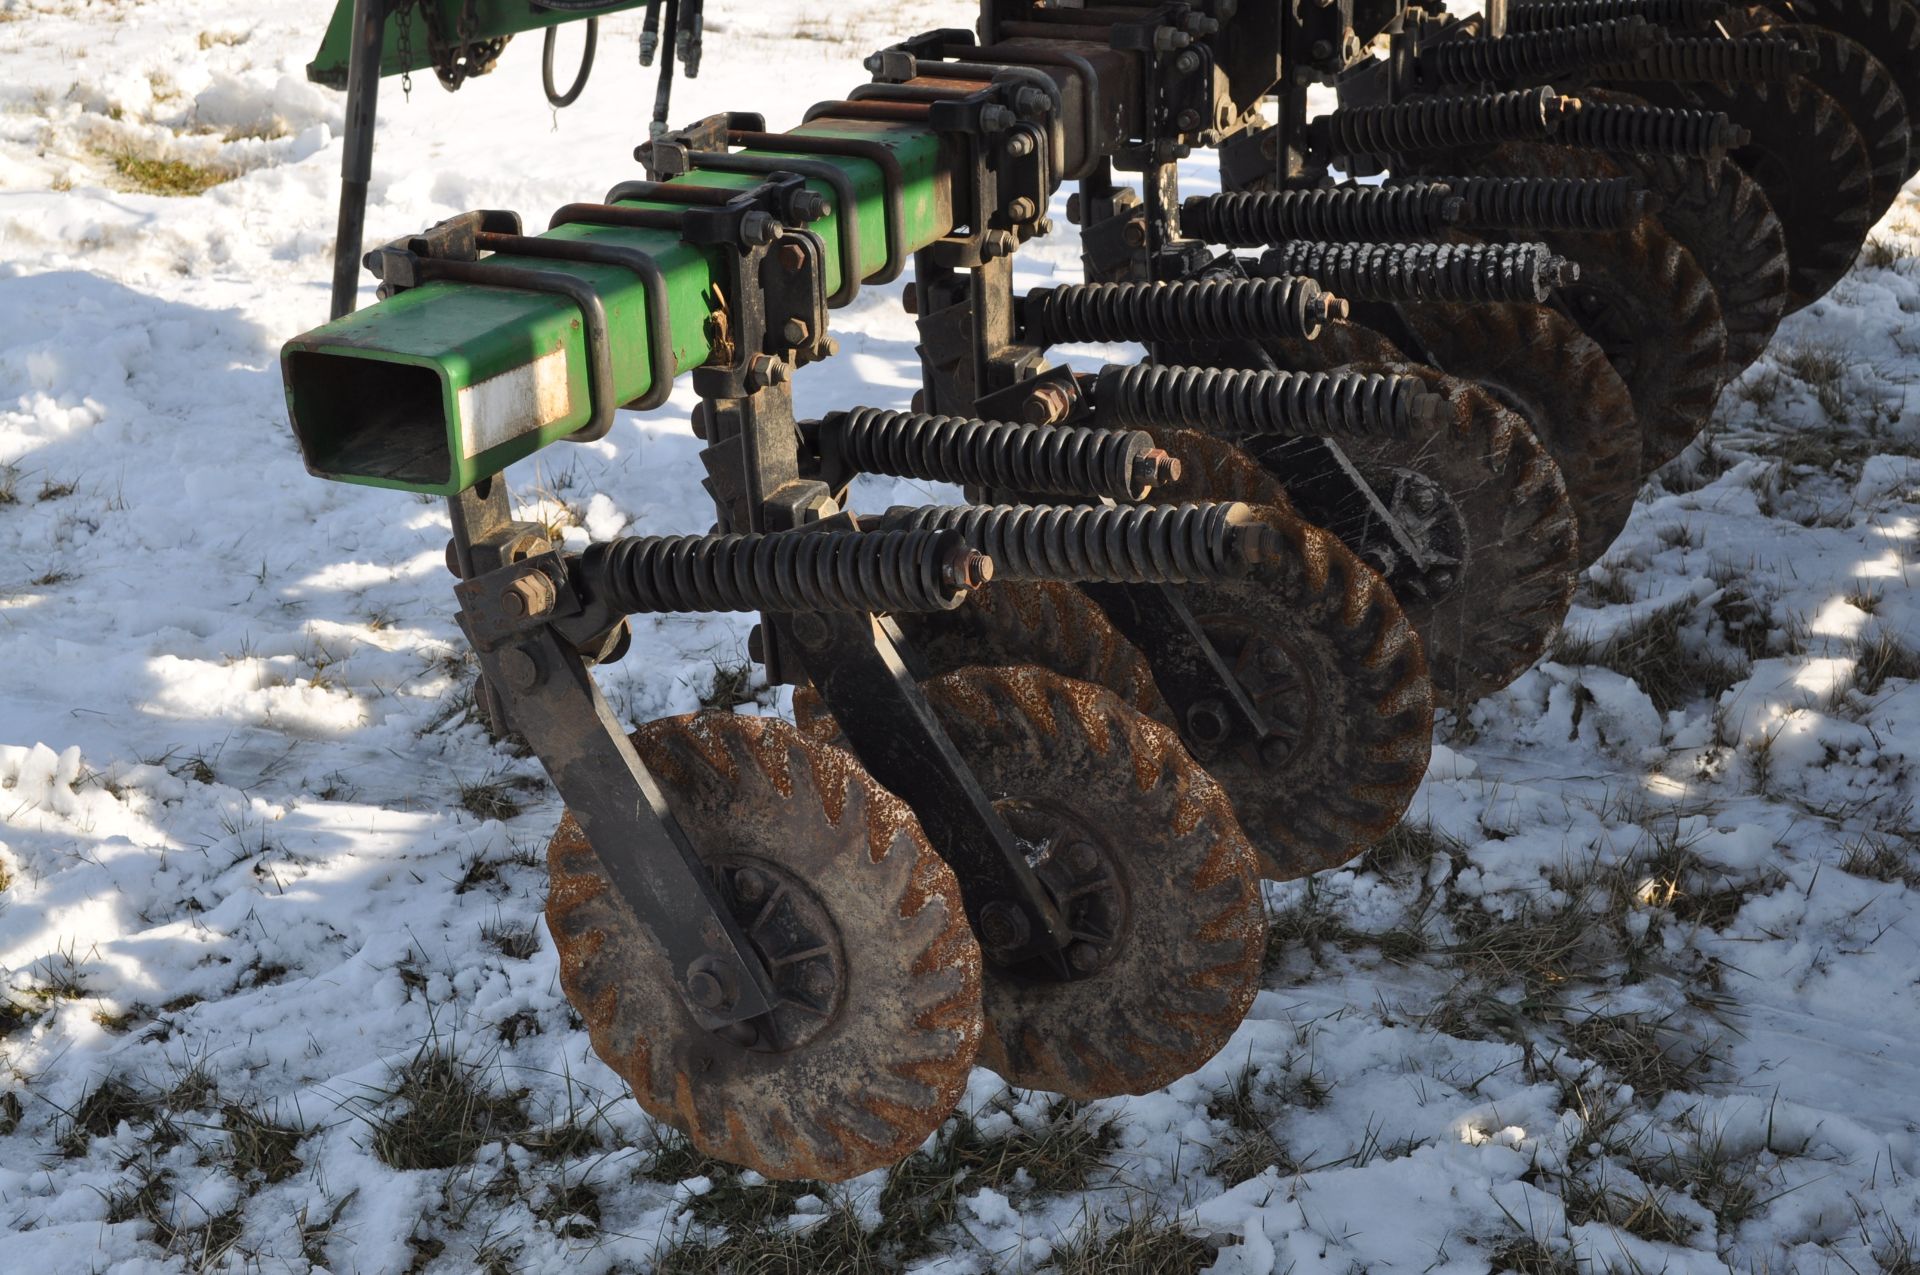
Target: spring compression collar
1426 272
1216 309
784 571
1348 213
1004 455
1237 403
1124 544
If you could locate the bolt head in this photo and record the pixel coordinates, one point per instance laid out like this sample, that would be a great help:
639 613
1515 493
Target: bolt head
530 594
1021 209
791 256
750 885
705 989
1187 63
758 228
1019 145
1083 957
519 669
1134 234
1275 751
1207 721
1080 857
1003 925
817 980
1274 660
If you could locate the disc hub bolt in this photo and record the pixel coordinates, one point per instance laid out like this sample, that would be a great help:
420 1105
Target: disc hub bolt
1084 958
1003 926
709 984
1080 857
749 885
1274 660
1207 721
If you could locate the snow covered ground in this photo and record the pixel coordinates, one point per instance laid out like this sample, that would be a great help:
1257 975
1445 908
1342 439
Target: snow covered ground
1636 987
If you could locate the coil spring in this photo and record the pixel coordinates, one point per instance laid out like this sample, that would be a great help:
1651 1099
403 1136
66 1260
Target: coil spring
1255 219
1682 15
783 571
1656 130
1752 60
1069 460
1239 403
1540 53
1548 203
1117 544
1198 310
1426 272
1438 123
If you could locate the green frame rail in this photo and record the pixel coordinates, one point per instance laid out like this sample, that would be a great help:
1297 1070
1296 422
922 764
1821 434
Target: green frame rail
438 387
493 19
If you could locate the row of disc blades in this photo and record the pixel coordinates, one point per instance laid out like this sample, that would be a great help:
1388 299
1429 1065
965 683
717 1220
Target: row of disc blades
1150 840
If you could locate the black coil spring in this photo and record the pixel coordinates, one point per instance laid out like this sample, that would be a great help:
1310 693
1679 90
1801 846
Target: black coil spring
1547 203
1438 123
1244 219
1215 309
1681 15
1425 271
1694 59
1242 403
1118 544
1655 130
1063 459
783 571
1517 58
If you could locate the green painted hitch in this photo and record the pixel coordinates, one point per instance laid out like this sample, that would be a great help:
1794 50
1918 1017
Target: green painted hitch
440 386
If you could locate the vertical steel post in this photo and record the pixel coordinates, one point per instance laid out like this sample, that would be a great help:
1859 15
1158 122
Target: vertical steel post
356 168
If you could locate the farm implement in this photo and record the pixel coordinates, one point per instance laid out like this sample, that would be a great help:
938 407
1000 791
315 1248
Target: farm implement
1404 374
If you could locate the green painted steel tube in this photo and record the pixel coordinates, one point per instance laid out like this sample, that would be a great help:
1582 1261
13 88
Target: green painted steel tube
492 19
442 385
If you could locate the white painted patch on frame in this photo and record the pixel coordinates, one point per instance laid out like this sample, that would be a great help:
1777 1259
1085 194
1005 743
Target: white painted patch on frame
529 397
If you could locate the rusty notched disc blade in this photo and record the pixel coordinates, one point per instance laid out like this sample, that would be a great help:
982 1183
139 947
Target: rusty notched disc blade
1141 851
1888 29
1319 643
1042 622
1520 544
1809 158
1722 218
1714 211
879 1013
1865 90
1645 301
1537 362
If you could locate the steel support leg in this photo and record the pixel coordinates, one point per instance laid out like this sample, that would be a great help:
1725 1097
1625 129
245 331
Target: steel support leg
356 169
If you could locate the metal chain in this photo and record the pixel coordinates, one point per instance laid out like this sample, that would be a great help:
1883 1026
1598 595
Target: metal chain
406 49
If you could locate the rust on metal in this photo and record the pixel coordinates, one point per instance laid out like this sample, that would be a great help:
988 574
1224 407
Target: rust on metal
1174 944
1537 362
880 1016
1327 653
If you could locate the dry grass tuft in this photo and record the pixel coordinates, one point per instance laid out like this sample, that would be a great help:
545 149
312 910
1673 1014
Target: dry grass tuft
1656 654
446 1114
1145 1245
259 1146
176 178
